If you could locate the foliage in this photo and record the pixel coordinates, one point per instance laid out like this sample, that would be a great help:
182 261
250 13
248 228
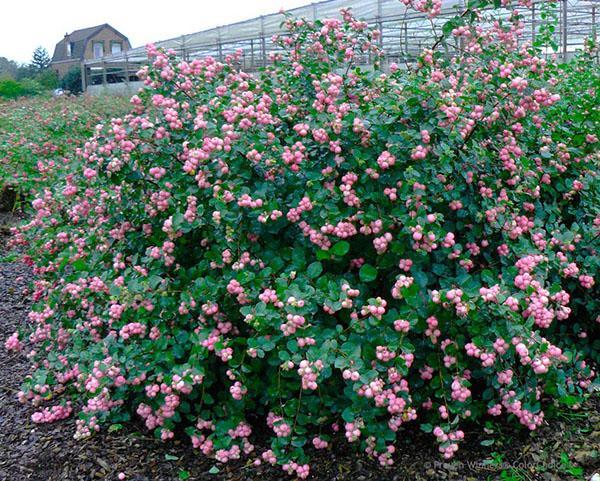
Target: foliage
40 59
72 81
325 249
31 87
48 79
28 86
8 69
27 80
10 89
37 136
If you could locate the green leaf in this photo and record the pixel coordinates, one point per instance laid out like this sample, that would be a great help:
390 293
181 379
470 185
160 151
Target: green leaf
184 475
339 249
314 270
569 400
79 265
214 470
115 427
426 427
367 273
170 457
421 278
488 277
348 415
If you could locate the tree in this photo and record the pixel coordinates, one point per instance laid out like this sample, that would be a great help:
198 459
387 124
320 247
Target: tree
72 80
48 79
41 59
8 68
26 71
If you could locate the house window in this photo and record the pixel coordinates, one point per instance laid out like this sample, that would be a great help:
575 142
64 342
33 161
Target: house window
115 47
98 49
69 49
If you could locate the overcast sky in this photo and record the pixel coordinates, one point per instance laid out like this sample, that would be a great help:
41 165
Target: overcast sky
25 24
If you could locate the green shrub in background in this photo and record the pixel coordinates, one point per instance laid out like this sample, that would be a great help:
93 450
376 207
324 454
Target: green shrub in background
11 89
72 81
48 79
31 87
27 87
33 84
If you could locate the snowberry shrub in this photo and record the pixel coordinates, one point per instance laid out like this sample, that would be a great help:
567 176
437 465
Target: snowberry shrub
319 248
37 136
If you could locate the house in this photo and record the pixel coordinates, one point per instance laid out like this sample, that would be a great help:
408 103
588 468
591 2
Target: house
87 43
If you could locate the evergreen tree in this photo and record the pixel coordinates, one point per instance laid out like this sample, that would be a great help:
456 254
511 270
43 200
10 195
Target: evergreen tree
41 59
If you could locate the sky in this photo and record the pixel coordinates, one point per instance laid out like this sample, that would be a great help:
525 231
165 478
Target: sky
27 24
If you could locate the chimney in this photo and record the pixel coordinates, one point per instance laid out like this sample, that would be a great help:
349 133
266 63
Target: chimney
67 41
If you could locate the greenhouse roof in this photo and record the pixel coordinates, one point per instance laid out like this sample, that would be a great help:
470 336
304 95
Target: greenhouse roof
404 31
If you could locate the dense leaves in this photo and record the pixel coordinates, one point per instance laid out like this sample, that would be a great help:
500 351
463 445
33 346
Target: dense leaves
322 247
38 137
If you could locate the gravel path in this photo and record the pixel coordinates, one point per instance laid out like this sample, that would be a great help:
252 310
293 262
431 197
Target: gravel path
49 452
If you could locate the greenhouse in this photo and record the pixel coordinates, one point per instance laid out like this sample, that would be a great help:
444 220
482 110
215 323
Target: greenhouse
404 34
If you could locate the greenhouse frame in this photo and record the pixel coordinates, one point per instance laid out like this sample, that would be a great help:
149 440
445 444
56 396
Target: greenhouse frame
405 33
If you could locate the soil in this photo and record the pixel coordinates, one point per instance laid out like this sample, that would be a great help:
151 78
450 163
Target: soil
566 448
8 197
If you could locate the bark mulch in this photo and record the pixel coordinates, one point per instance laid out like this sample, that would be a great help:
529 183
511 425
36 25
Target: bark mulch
567 448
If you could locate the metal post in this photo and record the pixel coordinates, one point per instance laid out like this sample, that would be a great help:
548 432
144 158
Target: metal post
533 23
461 39
379 21
184 55
252 61
263 42
219 45
400 41
83 79
104 73
127 70
594 30
564 29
